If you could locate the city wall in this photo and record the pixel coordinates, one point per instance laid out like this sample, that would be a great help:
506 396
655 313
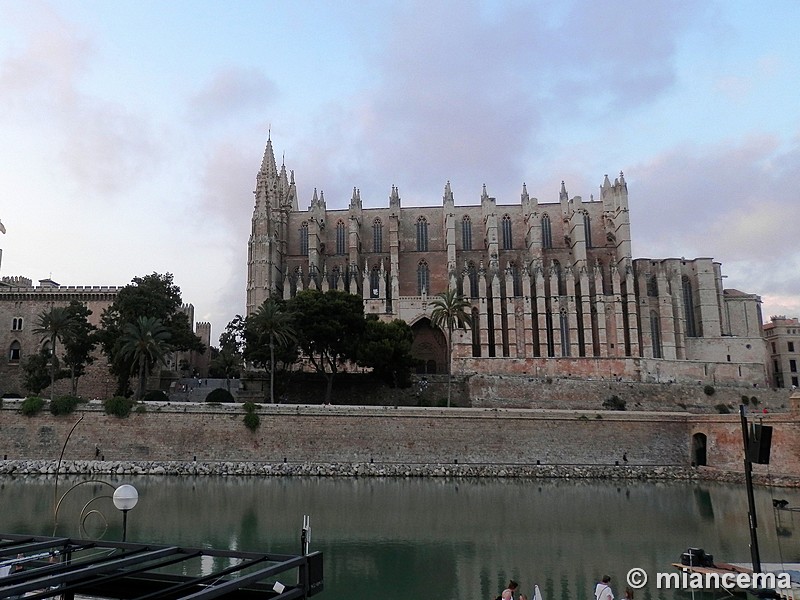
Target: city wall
385 435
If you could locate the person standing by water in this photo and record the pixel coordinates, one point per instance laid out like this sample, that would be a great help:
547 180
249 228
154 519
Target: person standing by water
602 591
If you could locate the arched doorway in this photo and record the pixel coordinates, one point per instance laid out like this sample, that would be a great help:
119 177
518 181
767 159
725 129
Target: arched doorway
699 456
429 348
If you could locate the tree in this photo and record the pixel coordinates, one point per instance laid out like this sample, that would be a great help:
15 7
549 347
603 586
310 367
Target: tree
268 326
152 296
450 313
227 361
386 348
329 326
36 371
144 343
79 343
54 324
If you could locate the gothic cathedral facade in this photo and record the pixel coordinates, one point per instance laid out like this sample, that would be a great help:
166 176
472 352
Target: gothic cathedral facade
553 286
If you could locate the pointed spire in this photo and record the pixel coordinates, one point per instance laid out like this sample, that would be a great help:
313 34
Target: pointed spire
524 196
315 199
291 174
606 182
484 195
268 165
563 193
448 193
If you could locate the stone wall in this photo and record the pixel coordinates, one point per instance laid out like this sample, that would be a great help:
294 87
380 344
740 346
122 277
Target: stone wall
388 435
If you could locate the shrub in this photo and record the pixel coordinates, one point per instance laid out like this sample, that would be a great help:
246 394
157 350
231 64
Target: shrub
64 405
709 390
219 395
614 403
252 421
250 406
723 409
119 406
155 396
32 406
141 409
745 400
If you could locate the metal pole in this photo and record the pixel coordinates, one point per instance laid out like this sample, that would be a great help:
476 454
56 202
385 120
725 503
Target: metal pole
124 524
751 503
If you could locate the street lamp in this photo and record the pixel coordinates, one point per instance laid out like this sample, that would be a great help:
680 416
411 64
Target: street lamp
125 498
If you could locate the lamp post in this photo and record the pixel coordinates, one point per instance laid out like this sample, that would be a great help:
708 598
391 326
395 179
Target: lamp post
125 498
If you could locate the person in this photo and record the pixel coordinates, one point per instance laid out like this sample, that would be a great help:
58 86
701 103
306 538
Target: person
511 588
628 593
602 591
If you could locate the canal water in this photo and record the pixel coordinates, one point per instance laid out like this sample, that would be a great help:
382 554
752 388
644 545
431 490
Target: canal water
459 539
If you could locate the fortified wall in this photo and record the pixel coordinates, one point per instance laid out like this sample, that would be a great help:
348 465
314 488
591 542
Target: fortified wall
333 434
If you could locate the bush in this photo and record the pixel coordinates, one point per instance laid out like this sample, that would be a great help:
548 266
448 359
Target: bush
155 396
119 406
614 403
32 406
219 395
709 390
64 405
723 409
250 406
252 421
745 400
141 409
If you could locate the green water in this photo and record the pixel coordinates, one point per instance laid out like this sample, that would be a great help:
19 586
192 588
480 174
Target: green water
446 539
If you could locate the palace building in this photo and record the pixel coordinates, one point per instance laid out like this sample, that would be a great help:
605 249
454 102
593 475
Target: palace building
553 286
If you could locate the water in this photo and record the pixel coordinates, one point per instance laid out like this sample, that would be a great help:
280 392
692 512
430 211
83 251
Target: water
432 538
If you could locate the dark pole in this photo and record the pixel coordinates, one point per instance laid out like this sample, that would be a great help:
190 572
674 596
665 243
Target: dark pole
124 524
751 503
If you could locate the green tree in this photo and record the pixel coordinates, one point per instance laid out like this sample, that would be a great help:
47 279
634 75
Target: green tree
450 312
36 372
386 348
329 326
227 361
268 327
54 324
145 344
79 343
154 296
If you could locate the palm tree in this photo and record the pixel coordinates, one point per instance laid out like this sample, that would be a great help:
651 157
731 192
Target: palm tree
55 324
271 321
450 312
145 343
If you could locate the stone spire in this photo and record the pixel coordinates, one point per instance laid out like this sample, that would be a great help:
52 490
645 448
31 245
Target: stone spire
524 196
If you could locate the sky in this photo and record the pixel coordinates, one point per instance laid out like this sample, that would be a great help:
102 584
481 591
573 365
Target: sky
131 132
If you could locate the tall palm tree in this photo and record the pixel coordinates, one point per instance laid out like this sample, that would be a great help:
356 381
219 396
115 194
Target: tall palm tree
54 324
145 342
450 312
272 322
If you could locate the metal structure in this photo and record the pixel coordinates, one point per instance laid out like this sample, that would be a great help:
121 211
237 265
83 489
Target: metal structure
60 567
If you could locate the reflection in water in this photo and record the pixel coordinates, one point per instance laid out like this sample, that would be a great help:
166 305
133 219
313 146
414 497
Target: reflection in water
435 538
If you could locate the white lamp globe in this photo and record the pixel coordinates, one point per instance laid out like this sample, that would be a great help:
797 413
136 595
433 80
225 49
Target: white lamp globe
125 497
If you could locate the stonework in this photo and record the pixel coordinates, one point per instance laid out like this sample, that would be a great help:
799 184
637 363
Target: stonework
550 283
782 338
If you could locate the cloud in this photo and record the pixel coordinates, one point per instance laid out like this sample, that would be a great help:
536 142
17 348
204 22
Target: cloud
231 92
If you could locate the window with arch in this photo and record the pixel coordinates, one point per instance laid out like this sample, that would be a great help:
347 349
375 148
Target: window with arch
506 227
652 286
377 236
466 233
547 232
423 277
374 282
563 322
16 324
304 238
562 283
334 277
655 333
587 229
14 351
688 307
472 273
340 238
476 332
422 234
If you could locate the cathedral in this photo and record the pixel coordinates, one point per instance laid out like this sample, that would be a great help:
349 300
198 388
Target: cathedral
554 289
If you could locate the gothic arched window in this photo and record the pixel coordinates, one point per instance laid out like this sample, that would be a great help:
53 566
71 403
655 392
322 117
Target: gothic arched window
688 307
14 351
655 332
377 236
466 233
422 234
472 272
507 241
304 238
516 279
652 286
374 282
563 323
587 229
340 238
547 232
423 277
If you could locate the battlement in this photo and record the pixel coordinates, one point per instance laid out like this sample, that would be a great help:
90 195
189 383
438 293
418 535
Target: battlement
17 281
